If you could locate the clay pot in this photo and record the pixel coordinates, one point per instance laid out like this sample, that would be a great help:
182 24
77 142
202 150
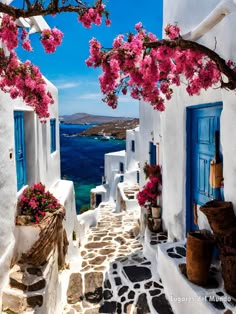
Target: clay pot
199 252
156 212
228 265
227 246
154 224
220 216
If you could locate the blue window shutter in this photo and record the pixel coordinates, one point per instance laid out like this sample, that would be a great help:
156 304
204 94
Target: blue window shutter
138 177
152 152
53 134
20 152
133 146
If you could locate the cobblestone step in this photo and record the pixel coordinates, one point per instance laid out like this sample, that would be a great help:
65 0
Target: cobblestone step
115 276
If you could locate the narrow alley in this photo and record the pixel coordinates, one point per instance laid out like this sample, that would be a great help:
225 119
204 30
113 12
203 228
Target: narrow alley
115 276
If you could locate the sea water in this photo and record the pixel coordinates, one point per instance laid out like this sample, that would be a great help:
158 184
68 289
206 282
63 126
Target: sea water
82 159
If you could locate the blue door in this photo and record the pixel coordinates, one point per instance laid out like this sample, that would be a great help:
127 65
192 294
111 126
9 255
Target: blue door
152 153
203 126
20 149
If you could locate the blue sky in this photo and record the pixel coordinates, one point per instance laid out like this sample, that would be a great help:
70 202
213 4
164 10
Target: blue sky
78 85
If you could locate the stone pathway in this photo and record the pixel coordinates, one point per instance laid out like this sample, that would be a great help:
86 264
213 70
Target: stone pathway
115 277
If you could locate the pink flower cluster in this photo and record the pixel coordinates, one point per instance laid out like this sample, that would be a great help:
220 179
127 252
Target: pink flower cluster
26 43
149 74
50 39
172 31
149 194
25 80
231 65
9 32
36 201
94 15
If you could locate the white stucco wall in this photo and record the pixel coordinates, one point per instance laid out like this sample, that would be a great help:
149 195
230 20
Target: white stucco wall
168 129
131 156
112 171
149 131
41 166
173 120
7 188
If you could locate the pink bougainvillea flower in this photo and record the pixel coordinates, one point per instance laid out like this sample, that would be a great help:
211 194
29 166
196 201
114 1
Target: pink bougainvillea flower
26 44
50 39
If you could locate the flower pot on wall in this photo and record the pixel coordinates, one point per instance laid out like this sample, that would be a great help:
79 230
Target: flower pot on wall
220 216
156 211
199 252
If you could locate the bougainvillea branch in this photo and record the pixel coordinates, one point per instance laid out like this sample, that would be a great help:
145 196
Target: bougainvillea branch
43 8
148 67
25 79
223 66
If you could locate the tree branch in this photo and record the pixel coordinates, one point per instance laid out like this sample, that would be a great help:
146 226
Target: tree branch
52 8
187 44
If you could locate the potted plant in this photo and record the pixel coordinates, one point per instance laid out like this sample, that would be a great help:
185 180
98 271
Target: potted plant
39 227
149 195
199 251
220 215
35 203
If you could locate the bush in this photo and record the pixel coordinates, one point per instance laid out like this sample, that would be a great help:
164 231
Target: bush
36 201
84 209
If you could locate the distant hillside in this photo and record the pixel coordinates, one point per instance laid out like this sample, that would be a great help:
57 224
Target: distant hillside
117 129
85 118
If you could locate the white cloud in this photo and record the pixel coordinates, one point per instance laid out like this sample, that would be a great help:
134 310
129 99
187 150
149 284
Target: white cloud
66 85
126 100
91 96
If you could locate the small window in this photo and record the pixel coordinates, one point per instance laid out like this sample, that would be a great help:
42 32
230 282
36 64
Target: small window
121 167
152 153
133 146
20 149
138 177
53 134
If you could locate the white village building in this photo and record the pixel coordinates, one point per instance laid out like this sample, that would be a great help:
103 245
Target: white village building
30 153
166 138
182 140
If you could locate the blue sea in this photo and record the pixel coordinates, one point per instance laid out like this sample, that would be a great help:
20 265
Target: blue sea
82 159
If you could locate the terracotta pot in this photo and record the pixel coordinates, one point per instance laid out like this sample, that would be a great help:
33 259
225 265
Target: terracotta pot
154 224
227 246
220 216
199 252
228 264
156 212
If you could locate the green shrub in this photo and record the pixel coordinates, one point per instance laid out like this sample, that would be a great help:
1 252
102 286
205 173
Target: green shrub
84 208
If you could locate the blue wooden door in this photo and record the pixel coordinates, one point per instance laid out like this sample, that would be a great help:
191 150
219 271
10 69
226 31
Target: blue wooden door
152 152
20 149
204 122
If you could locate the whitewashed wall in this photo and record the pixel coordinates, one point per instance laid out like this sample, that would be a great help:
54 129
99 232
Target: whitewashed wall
131 157
173 120
41 166
169 128
149 131
112 171
7 188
